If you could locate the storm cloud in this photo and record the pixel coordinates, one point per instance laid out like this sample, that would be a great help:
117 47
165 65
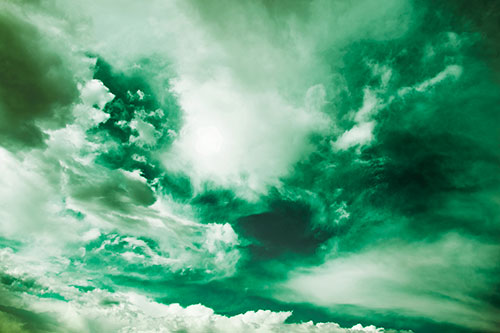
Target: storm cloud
253 166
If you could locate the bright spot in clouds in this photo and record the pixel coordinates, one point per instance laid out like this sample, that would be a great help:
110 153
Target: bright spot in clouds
208 140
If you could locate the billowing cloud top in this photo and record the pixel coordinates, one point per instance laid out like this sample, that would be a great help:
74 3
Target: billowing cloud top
249 166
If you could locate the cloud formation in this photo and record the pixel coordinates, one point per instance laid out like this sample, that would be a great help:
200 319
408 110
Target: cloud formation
36 85
251 166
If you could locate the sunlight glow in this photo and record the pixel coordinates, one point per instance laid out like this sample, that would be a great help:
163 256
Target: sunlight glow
208 140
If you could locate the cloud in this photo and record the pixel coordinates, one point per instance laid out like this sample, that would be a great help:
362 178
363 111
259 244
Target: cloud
228 79
358 135
223 153
420 211
36 84
231 88
361 134
250 143
265 97
96 93
9 323
132 312
288 227
451 71
61 193
446 280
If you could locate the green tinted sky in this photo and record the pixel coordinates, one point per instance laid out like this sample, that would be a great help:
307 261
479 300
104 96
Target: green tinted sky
249 166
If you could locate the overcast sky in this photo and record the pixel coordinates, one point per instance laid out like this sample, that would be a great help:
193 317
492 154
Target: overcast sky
249 166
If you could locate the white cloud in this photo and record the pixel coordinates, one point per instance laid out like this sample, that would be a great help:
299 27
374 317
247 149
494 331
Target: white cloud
130 312
29 205
452 72
249 139
417 279
147 133
96 93
361 134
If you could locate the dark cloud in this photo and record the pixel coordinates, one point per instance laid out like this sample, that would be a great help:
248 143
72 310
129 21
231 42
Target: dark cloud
483 18
221 205
120 192
21 320
16 319
35 85
285 228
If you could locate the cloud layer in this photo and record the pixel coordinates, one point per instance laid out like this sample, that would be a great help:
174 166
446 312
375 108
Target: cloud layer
250 166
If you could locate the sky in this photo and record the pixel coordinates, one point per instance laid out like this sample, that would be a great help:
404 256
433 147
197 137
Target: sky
249 166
